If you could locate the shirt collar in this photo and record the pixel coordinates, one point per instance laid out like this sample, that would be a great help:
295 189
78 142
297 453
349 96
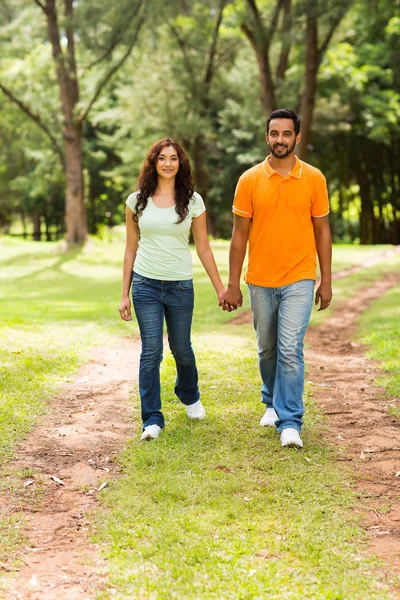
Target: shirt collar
295 172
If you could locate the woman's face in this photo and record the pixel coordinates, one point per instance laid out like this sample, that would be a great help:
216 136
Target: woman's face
167 163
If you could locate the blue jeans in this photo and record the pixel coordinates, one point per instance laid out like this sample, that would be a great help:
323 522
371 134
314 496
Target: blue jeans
153 301
281 316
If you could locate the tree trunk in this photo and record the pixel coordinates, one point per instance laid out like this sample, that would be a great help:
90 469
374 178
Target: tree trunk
267 85
37 221
75 215
310 84
366 213
395 185
48 232
75 211
286 41
261 48
23 221
199 154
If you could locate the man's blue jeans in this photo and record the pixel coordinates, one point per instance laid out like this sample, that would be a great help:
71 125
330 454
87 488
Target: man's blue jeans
153 301
281 316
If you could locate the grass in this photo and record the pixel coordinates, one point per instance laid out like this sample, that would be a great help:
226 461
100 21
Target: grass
215 509
211 509
347 255
380 329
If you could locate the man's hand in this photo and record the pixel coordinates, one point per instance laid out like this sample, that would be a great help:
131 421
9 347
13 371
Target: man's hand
323 295
231 299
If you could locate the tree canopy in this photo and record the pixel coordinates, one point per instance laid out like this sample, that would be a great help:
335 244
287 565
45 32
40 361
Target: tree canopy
88 86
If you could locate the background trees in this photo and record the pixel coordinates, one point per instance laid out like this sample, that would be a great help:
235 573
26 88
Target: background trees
102 31
88 87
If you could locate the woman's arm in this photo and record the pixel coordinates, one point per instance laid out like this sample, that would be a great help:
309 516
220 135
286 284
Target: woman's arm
132 240
205 254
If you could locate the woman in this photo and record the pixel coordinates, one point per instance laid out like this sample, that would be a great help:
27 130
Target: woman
159 217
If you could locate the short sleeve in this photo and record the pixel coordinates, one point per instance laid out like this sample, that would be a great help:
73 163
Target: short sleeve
131 201
242 203
197 206
320 205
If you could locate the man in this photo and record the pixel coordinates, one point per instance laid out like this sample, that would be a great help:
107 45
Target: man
281 207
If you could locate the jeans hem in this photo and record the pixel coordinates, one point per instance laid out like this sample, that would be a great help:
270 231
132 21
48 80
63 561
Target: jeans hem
151 421
288 426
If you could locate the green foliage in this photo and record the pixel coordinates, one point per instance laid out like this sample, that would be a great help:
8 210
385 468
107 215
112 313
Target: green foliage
102 34
358 113
163 90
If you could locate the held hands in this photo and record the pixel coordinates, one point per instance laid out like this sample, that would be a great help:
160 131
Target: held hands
125 309
323 295
230 299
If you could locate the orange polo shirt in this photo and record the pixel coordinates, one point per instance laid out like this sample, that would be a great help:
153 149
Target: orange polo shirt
281 241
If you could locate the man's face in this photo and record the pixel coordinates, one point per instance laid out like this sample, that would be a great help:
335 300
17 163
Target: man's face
281 137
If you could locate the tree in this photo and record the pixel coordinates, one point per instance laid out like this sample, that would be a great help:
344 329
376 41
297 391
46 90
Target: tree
358 119
174 86
317 21
62 32
197 34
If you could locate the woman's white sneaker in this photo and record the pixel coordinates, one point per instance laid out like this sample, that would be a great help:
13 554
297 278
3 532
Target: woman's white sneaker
269 418
196 410
290 437
151 432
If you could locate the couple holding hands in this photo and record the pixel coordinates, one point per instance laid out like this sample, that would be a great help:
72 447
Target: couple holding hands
281 209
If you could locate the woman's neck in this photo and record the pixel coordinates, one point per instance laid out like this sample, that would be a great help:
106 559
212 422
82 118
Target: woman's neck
165 187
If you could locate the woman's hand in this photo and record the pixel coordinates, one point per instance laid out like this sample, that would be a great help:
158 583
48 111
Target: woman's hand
231 299
125 309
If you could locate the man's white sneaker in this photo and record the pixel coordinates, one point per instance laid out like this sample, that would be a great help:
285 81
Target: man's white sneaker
269 418
151 432
196 410
290 437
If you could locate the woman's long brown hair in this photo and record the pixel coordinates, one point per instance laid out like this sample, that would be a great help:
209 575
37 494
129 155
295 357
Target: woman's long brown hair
148 179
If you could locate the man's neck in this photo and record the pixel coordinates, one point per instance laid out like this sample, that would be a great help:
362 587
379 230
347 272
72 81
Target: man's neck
282 165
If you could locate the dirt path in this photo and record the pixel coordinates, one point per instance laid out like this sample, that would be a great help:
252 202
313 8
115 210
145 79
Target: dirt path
367 436
89 423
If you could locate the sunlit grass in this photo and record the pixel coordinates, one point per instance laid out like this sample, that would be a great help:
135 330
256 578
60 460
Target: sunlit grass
266 524
380 329
346 255
216 509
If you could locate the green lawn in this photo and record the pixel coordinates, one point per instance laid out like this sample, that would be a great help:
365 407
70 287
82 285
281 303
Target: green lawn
380 329
210 510
346 255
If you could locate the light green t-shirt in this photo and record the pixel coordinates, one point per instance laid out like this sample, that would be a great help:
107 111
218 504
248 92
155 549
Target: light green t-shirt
163 251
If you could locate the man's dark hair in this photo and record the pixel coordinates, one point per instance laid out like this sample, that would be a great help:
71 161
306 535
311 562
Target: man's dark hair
284 113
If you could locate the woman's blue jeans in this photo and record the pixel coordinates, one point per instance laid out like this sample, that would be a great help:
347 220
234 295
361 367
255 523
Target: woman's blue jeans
281 316
154 300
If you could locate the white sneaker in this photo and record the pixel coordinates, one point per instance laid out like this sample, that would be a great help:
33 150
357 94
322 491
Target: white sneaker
269 418
151 432
196 410
290 437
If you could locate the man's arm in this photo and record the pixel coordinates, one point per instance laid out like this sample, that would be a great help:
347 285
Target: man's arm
324 251
232 297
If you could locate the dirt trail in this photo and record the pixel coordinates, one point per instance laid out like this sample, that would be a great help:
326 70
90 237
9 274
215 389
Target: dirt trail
344 387
89 423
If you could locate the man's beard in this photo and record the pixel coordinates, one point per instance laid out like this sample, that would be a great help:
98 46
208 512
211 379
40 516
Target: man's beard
283 153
